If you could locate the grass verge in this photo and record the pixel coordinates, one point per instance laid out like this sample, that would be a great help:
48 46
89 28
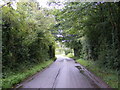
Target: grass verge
107 75
15 78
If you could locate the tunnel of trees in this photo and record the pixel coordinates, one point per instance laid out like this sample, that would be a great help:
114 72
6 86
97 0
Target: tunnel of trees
29 33
92 31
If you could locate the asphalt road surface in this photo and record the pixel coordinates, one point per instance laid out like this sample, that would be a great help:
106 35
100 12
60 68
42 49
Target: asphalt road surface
63 73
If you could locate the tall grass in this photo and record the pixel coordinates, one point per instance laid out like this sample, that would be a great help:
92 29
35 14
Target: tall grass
108 75
13 78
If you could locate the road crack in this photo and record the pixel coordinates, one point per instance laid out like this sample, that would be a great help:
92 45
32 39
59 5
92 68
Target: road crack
56 78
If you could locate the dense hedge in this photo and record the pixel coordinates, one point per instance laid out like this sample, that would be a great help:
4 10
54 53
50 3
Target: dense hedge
25 35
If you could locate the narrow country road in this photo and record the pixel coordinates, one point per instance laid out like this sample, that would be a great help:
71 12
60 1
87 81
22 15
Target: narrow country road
63 73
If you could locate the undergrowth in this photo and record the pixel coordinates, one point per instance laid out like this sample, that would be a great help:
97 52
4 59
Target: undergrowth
110 76
12 78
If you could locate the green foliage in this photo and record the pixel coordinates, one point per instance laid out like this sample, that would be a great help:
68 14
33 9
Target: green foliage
110 76
67 51
92 31
12 78
70 55
26 37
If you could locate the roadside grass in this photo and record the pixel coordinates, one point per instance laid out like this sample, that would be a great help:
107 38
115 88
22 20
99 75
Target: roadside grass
107 75
70 55
14 78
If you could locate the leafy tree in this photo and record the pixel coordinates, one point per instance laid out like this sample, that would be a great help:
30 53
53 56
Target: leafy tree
91 29
26 35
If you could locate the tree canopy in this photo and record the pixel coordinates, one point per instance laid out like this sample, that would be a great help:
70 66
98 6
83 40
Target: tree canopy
92 30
